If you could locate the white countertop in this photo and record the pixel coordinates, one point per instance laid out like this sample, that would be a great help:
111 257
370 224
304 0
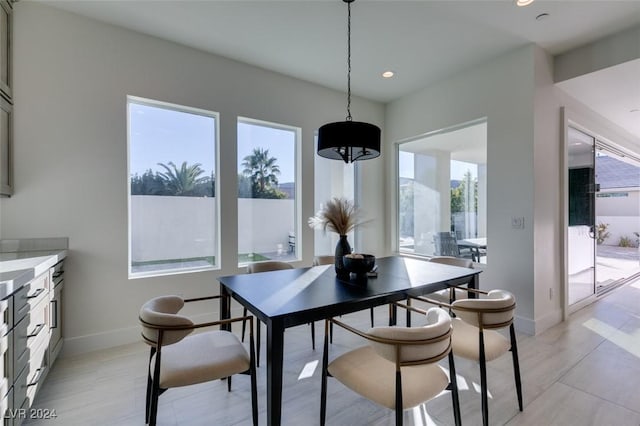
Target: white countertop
18 268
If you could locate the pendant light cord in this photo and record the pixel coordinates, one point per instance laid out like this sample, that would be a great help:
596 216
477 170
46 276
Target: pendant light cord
349 60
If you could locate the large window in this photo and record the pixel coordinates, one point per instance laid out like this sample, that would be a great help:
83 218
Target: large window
442 193
173 212
268 201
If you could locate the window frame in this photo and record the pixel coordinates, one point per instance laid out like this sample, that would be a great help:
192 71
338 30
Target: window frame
297 205
396 178
130 99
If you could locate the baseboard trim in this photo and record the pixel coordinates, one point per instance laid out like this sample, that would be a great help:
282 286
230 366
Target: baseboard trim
111 339
99 341
546 322
533 327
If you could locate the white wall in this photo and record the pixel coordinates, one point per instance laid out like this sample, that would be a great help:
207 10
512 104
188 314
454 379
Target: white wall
524 169
72 76
619 226
551 177
502 91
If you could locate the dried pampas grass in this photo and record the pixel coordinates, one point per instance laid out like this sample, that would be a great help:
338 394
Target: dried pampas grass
338 215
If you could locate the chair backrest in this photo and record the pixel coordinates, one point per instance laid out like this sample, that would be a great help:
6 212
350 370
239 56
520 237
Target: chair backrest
453 261
161 312
426 344
324 260
270 265
495 310
445 245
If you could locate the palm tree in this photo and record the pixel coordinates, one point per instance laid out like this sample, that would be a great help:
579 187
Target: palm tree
182 181
262 170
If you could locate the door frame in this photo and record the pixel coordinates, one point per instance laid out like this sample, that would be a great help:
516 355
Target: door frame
605 131
570 120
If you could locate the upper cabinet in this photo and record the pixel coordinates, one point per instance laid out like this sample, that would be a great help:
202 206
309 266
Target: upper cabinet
6 24
6 100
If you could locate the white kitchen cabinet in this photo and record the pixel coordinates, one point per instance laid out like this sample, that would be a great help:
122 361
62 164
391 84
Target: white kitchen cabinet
6 47
6 99
30 340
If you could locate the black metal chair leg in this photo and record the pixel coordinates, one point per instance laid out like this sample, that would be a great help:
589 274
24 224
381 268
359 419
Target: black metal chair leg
516 364
371 317
155 393
229 384
254 386
257 343
408 312
149 386
244 323
483 383
399 410
453 383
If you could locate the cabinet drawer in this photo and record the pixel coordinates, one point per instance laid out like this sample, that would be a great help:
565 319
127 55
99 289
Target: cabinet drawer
6 361
31 378
30 333
6 405
55 322
6 315
30 295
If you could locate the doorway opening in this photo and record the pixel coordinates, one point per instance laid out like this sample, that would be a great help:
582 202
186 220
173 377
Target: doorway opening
603 217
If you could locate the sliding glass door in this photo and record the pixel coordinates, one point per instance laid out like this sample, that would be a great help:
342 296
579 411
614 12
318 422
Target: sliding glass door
603 235
582 233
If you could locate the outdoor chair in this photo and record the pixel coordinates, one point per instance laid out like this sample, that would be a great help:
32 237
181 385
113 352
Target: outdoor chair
180 358
446 244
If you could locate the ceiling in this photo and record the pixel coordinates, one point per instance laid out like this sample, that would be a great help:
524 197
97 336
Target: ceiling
422 41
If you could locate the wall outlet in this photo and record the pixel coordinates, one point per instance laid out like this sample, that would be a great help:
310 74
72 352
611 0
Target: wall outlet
517 222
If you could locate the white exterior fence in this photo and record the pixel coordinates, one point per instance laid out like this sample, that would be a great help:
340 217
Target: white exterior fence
169 227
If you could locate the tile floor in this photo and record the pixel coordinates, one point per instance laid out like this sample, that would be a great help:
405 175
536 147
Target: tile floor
582 372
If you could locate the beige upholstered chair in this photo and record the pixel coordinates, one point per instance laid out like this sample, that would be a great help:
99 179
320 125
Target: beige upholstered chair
180 358
399 368
451 294
271 265
324 260
330 260
475 334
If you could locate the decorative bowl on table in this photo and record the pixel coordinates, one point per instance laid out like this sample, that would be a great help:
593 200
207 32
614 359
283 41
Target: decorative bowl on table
359 264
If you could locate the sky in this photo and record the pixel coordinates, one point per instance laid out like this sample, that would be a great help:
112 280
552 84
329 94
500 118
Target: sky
160 135
279 142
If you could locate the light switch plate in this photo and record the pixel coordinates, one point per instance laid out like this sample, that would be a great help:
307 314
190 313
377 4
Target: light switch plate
517 222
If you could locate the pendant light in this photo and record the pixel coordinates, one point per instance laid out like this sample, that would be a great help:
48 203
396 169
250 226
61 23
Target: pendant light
349 140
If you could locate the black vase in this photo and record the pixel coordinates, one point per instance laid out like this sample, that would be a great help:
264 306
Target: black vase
342 248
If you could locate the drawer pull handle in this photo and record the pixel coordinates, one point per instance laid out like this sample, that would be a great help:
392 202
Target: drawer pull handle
54 314
37 330
37 293
36 378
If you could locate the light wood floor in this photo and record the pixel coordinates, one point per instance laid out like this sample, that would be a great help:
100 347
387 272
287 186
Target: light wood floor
582 372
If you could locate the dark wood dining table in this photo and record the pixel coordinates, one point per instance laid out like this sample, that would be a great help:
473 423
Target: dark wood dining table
292 297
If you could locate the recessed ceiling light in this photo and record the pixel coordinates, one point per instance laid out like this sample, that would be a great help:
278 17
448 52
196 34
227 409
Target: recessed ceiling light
387 74
523 3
